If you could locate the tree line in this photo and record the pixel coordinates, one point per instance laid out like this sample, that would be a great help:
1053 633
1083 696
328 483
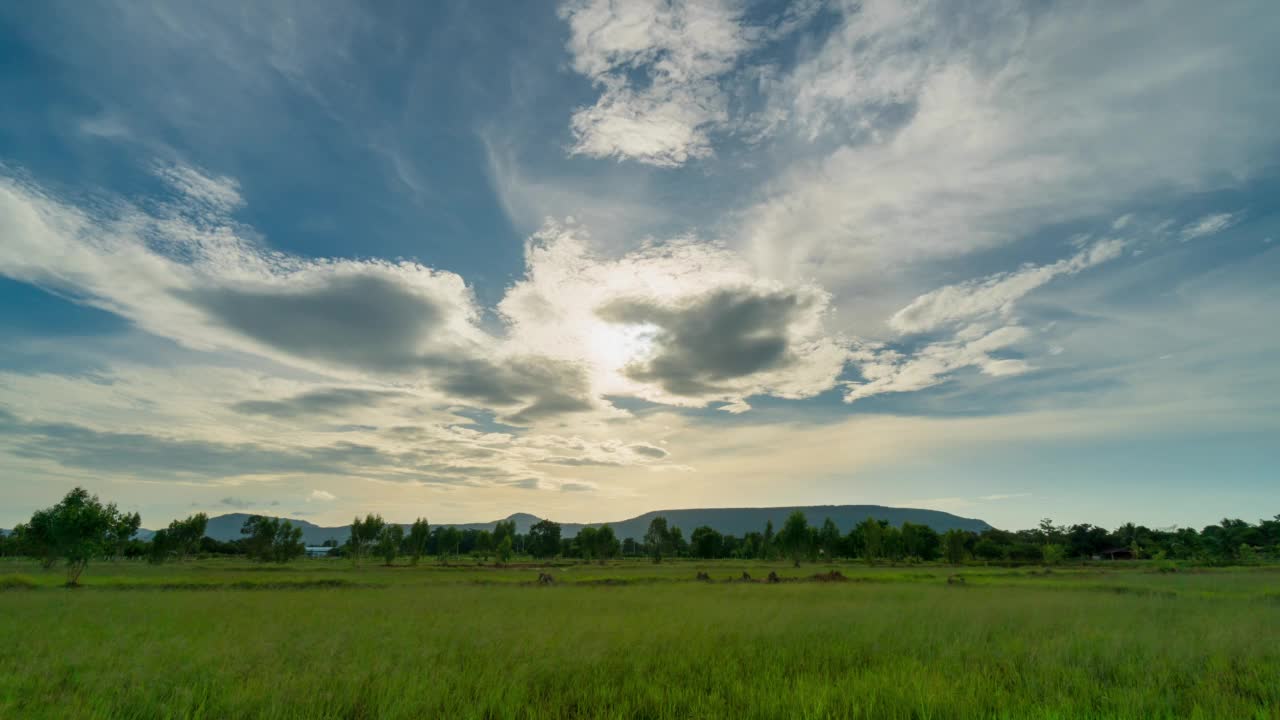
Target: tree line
82 528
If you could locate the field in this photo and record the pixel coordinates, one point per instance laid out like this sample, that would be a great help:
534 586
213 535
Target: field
320 639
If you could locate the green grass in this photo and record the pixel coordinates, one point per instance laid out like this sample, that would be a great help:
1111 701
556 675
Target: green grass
318 639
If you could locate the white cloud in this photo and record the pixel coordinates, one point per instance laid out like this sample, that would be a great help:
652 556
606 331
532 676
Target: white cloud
923 136
682 48
321 496
995 295
1209 225
635 321
887 371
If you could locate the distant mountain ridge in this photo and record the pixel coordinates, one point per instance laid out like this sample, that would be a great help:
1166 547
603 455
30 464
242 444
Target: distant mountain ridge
731 521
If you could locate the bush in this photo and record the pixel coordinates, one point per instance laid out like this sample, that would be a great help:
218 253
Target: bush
16 582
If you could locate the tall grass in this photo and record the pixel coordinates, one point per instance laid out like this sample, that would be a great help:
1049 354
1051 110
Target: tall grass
904 648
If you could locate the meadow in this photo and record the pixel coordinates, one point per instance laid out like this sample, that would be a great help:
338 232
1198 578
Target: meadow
321 639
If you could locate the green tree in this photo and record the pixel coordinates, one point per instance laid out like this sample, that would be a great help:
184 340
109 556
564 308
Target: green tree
484 545
657 538
503 550
829 540
270 539
77 530
767 541
504 529
1053 553
953 544
419 536
587 542
544 539
184 536
607 545
707 542
450 541
122 533
871 533
794 538
364 533
389 541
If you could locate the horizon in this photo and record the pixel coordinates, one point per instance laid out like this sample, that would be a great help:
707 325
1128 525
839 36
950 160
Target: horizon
441 260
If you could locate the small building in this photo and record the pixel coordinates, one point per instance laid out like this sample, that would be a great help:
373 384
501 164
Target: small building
1118 553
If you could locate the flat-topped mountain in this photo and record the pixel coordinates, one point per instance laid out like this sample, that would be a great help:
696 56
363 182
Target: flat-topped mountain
731 521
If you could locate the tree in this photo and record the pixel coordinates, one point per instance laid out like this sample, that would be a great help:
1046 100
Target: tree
389 543
364 533
419 536
953 544
504 549
544 539
504 529
829 540
78 529
871 533
657 538
587 542
484 545
707 542
607 545
450 542
125 528
920 541
766 541
794 538
184 535
269 539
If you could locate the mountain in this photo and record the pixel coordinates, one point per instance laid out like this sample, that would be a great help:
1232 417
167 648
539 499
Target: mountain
731 521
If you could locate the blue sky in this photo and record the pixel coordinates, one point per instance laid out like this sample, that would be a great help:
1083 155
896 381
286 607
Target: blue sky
1009 260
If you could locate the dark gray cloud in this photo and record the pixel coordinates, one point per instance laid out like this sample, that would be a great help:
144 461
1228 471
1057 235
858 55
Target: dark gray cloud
316 402
371 321
235 502
158 457
534 387
648 450
719 337
576 487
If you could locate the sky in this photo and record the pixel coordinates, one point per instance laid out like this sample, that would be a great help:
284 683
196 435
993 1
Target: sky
1010 260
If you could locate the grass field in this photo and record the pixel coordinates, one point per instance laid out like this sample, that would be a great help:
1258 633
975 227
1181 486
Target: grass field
319 639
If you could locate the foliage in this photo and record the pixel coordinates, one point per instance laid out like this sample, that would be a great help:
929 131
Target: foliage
389 540
364 533
76 530
658 538
544 539
794 537
270 539
418 539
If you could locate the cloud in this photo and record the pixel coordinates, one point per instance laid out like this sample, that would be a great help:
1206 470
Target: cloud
681 48
377 318
703 345
994 295
681 322
321 496
887 371
235 502
315 402
648 451
1209 225
919 136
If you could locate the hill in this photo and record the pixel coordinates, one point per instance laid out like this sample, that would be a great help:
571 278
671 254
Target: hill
732 521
